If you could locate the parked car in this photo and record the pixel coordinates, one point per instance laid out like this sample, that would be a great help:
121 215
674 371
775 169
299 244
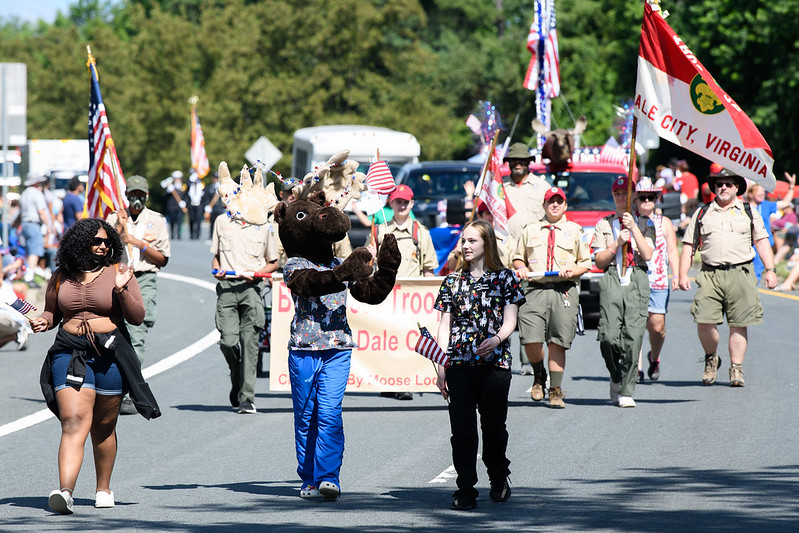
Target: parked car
438 193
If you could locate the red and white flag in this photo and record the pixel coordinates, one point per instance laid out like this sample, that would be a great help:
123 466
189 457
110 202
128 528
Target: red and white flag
428 347
379 178
613 153
679 99
492 192
542 42
105 190
199 159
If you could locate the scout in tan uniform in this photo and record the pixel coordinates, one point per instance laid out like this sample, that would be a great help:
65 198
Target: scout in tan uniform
240 316
550 313
623 292
526 194
146 238
418 254
726 284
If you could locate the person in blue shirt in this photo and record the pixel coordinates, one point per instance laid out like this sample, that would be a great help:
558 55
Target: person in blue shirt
73 203
756 196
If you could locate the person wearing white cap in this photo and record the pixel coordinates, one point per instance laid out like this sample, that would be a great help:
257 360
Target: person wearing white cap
664 256
175 204
33 214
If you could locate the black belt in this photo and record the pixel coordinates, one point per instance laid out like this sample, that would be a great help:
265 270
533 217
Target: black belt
725 266
558 285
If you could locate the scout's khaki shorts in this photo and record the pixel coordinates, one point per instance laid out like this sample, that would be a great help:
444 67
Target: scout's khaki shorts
545 318
727 292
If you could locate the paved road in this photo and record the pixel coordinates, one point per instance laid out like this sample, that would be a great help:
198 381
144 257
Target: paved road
689 457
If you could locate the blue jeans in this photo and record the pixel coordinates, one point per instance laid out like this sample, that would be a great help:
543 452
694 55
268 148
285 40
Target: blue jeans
318 381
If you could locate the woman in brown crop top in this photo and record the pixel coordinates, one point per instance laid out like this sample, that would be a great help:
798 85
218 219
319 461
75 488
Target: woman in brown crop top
89 295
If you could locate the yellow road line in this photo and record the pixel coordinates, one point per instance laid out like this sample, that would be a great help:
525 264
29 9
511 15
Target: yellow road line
780 294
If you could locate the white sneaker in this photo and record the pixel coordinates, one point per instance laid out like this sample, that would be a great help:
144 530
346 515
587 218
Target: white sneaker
60 501
614 392
626 401
22 338
103 499
527 369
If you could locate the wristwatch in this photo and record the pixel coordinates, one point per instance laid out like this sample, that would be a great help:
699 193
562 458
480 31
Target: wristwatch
771 270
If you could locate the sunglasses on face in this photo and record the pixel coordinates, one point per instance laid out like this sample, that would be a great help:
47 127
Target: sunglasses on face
647 198
556 200
728 184
97 241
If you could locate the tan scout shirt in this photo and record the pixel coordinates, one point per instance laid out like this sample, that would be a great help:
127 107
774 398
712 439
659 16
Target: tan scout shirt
603 237
244 248
149 226
571 247
527 198
727 234
415 257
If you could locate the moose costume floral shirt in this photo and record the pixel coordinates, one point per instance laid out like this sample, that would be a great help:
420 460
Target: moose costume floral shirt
320 322
476 306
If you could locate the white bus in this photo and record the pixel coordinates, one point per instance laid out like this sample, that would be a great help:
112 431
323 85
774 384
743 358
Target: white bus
314 146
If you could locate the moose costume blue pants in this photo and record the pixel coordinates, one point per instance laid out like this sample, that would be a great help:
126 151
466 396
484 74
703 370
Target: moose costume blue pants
318 379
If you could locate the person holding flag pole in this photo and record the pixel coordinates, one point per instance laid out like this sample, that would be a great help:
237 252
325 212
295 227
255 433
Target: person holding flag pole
479 304
683 103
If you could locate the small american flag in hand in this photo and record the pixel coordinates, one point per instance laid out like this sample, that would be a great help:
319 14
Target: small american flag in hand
23 306
428 347
379 178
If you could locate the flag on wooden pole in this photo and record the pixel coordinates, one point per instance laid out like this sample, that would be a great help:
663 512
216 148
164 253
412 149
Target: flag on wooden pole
105 190
199 159
379 178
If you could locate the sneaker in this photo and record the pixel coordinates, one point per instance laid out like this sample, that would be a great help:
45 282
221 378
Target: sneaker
626 401
127 407
539 382
404 396
614 392
22 338
246 408
654 367
499 492
736 376
329 490
465 503
527 369
556 398
310 492
640 377
103 499
60 501
712 364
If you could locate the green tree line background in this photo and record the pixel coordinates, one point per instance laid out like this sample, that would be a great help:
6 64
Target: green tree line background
270 67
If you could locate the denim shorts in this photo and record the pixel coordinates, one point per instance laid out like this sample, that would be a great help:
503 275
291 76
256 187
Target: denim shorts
34 240
658 301
102 374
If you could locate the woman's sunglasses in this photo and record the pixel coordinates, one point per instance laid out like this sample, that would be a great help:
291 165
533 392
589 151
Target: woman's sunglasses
97 241
647 198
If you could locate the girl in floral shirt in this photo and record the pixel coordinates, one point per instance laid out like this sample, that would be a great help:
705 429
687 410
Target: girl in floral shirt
479 305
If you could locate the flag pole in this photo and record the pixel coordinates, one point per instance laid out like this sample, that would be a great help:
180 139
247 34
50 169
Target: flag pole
630 173
491 146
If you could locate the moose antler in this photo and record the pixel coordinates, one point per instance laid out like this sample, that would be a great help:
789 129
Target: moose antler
339 179
248 201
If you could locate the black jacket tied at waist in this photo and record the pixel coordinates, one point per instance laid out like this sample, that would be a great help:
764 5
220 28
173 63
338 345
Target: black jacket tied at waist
113 344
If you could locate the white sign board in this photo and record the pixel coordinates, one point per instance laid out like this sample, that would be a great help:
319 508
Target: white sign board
264 151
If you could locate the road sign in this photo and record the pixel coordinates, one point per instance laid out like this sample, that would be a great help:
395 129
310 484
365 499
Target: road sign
264 151
14 103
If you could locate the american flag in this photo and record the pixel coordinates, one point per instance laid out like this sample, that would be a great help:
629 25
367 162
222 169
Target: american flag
474 124
379 178
428 347
199 159
613 153
105 191
22 306
542 42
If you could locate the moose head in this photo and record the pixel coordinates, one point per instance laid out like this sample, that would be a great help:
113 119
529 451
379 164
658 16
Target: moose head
559 144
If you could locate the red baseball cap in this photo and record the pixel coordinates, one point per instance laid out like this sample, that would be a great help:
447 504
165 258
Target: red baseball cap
620 183
482 207
554 191
403 192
